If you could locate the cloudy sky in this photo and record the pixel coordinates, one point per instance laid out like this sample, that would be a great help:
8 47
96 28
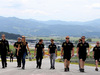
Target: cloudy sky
66 10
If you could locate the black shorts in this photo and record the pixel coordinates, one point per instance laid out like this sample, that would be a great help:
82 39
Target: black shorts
68 57
83 57
96 58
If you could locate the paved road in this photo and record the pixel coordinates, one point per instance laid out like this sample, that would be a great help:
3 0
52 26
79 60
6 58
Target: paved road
31 70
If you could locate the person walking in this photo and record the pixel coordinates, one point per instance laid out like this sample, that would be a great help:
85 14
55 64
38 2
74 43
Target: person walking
39 52
96 54
67 52
24 51
4 46
82 52
52 50
18 53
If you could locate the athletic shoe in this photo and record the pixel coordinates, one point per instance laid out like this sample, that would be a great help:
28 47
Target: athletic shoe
23 68
37 66
53 67
81 70
96 69
3 67
65 69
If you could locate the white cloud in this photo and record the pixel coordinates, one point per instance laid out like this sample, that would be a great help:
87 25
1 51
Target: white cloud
34 12
94 5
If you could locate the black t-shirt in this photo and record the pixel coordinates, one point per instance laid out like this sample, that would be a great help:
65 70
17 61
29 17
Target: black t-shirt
83 48
40 48
67 47
96 51
16 45
52 48
24 47
4 46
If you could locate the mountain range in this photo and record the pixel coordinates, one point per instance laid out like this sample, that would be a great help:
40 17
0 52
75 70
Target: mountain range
31 27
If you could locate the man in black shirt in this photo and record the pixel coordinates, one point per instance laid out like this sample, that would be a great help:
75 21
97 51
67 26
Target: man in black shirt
82 52
52 50
40 52
96 54
18 53
4 46
11 56
68 49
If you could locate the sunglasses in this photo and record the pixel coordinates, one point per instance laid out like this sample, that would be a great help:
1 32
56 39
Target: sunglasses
67 38
83 38
97 43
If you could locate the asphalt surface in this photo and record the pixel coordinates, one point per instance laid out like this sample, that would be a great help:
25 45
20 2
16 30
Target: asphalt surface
30 69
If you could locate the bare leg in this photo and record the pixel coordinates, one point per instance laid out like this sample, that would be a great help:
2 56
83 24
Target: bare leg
65 63
68 63
81 63
96 63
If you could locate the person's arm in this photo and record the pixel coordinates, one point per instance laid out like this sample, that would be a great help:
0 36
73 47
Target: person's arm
8 46
72 51
88 51
15 46
43 51
28 49
16 51
93 54
35 52
93 51
56 52
62 51
77 51
78 45
48 51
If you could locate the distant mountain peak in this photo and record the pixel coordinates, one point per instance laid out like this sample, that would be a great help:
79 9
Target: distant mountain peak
31 27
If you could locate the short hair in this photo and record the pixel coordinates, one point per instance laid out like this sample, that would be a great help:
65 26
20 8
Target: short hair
18 38
83 36
40 40
80 39
23 36
3 34
97 42
52 39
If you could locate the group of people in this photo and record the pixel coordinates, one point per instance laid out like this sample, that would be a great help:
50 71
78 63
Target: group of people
67 52
21 47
